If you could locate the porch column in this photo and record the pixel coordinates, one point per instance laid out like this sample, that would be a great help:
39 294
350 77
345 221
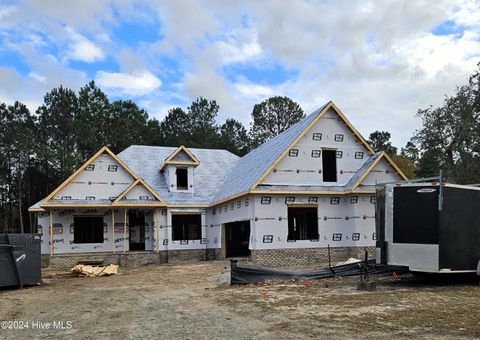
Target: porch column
51 232
125 231
113 230
157 229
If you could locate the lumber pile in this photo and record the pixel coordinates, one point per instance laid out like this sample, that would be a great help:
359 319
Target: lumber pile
86 270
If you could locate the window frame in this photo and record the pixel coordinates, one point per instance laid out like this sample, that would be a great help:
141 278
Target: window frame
82 236
177 178
187 232
309 220
329 169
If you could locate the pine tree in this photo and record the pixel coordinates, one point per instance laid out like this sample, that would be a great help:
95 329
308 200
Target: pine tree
273 116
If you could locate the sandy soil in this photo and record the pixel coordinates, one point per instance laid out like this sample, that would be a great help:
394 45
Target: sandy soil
194 301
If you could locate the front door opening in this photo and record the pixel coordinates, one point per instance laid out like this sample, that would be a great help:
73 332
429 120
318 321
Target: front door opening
237 238
136 225
329 165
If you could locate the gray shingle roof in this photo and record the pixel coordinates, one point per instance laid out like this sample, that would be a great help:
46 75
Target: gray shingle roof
146 162
36 205
251 166
221 174
362 170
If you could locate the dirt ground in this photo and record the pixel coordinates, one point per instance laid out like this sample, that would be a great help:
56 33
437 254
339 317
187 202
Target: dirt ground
194 301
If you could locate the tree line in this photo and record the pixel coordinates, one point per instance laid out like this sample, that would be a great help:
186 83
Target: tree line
39 150
449 138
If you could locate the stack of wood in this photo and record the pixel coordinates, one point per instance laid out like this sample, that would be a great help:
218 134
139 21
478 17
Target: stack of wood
86 270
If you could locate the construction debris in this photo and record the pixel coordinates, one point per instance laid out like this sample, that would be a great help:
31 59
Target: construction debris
86 270
349 261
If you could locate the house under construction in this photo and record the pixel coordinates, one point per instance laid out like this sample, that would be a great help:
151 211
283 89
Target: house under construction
284 203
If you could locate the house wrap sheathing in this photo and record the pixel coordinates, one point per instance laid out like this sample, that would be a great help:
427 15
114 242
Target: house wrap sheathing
284 203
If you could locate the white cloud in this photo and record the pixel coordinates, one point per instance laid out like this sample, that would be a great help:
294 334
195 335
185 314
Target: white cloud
37 77
5 12
239 47
253 90
135 84
379 61
467 12
80 48
432 54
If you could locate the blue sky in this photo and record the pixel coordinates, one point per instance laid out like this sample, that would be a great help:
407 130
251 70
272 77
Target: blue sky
380 61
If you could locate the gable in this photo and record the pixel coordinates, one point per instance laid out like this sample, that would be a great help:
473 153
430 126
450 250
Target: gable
103 176
382 172
138 192
182 156
98 180
254 167
302 164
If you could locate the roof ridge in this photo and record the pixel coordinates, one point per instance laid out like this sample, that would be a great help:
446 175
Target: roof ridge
174 148
281 134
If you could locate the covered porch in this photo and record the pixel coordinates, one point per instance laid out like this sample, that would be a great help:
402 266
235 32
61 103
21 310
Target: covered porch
99 228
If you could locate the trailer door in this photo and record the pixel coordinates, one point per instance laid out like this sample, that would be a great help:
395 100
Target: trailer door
415 214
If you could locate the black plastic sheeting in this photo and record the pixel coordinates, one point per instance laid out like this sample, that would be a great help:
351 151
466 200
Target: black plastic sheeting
244 274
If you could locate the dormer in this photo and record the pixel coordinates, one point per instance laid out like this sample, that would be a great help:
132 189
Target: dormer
178 169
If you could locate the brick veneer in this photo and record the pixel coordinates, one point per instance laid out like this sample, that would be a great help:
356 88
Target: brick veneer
293 257
268 257
132 259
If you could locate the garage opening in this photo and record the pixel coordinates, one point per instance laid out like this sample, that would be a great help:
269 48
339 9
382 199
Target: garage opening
136 225
186 227
302 224
237 238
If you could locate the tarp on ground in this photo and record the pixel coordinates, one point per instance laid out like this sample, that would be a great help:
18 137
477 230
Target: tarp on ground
244 274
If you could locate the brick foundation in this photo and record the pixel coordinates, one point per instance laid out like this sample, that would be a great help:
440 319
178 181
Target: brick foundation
175 256
268 257
132 259
215 254
302 256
